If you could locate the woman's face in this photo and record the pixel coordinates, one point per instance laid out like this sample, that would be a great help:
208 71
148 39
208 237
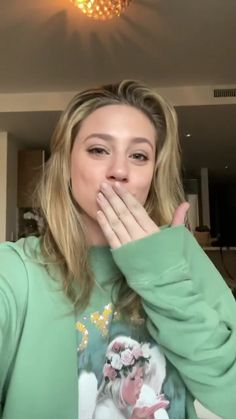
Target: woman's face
132 386
114 143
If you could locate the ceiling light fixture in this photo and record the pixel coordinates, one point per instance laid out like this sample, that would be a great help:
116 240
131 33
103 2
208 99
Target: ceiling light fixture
102 9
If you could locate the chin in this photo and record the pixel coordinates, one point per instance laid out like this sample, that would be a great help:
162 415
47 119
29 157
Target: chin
89 215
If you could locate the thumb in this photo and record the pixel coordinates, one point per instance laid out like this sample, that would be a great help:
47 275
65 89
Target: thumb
180 214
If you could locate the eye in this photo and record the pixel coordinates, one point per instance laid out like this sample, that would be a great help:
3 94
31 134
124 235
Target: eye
97 151
140 156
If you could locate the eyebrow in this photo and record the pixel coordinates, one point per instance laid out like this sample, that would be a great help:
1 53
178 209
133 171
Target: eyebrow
108 137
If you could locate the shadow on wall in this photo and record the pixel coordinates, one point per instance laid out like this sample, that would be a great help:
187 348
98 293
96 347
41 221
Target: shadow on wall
69 40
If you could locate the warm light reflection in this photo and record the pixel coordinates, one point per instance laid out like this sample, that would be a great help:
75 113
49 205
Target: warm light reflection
102 9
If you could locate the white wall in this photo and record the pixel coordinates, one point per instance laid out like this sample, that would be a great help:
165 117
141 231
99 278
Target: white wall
57 101
8 187
3 185
11 216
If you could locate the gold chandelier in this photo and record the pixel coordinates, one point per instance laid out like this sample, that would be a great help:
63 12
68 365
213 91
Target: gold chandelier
102 9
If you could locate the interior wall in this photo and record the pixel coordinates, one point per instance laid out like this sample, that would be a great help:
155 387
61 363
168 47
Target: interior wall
11 216
8 187
3 185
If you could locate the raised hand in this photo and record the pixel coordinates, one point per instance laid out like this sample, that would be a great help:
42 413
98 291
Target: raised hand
147 412
123 219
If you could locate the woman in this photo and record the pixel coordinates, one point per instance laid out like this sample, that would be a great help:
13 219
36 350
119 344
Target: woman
114 259
125 391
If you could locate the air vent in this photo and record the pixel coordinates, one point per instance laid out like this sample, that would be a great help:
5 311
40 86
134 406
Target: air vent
225 92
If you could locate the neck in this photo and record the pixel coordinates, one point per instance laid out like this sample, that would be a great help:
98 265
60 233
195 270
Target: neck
94 233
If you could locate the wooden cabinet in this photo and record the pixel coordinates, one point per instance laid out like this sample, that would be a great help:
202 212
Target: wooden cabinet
30 166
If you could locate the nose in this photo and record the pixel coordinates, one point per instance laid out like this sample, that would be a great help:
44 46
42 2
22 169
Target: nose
118 169
140 382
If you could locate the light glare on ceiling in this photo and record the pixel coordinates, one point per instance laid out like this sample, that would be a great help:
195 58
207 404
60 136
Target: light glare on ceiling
102 9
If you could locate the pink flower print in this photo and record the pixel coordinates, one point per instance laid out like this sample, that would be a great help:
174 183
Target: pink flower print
127 357
109 372
116 362
117 346
137 352
146 350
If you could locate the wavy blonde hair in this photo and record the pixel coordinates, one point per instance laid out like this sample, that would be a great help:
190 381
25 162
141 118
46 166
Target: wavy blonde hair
63 241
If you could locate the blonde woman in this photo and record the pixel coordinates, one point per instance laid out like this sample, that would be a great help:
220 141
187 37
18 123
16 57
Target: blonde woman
114 258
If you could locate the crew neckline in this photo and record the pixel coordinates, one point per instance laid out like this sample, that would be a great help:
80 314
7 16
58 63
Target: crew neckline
102 264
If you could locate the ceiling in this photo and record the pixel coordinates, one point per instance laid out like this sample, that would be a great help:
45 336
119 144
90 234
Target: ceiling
49 46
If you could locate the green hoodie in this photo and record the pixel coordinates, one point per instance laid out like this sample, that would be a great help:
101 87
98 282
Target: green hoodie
45 346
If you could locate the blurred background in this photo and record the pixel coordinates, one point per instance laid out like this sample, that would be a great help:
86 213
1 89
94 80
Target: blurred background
185 49
49 50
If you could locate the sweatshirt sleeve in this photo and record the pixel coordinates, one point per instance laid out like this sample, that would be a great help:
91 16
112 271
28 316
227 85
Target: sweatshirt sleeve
191 312
13 297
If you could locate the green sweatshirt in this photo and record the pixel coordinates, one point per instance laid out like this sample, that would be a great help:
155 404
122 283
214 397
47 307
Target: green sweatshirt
48 352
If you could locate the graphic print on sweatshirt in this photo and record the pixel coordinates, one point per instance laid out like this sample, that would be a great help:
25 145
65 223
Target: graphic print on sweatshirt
122 373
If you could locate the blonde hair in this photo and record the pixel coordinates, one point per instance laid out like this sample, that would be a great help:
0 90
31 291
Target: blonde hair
63 241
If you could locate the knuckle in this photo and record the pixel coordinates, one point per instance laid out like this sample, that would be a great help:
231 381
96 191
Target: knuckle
122 213
135 206
116 223
109 233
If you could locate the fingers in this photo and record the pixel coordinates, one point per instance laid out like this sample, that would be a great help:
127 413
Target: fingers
163 404
117 212
112 226
145 411
111 237
122 218
180 214
136 209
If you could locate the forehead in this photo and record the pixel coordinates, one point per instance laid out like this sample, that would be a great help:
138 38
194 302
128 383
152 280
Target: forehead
124 118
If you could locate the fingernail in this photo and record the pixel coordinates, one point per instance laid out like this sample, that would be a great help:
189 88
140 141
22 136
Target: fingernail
104 185
99 195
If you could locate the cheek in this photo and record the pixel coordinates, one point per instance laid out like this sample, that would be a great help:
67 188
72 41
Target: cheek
80 174
142 191
84 183
85 187
143 181
128 391
84 191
